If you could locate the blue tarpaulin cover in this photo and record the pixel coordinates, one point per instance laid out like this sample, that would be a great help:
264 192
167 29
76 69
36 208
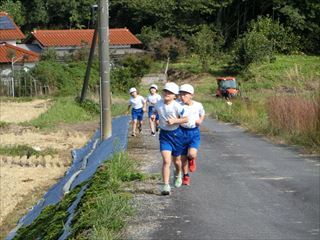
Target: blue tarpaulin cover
85 163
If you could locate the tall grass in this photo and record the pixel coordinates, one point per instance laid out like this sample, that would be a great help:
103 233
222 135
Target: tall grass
105 206
64 110
295 116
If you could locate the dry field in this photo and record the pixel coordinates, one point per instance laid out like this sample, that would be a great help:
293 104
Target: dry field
24 179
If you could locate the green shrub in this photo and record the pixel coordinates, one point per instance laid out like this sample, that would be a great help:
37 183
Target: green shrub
170 47
253 47
138 64
122 79
206 43
149 37
283 40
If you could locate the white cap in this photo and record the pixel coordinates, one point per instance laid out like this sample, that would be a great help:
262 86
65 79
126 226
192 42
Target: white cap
187 88
154 86
131 90
171 87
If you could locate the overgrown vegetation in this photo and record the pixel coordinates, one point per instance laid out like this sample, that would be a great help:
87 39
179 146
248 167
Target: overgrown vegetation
102 211
49 224
295 82
63 110
104 207
296 118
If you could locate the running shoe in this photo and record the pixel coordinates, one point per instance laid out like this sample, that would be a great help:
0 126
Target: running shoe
192 165
186 180
166 189
153 133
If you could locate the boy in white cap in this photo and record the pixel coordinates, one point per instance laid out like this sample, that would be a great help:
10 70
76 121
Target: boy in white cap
152 99
191 133
138 104
170 137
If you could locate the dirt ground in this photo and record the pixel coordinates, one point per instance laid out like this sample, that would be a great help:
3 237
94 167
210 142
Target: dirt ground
24 179
147 200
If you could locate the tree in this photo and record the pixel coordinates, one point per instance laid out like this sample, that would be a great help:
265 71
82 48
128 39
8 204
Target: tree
207 43
283 40
149 37
36 13
170 47
15 10
252 47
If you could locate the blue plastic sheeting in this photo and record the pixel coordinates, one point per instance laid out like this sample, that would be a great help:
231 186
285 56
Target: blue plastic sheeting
103 151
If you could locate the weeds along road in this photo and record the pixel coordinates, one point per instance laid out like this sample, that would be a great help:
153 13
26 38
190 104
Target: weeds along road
244 188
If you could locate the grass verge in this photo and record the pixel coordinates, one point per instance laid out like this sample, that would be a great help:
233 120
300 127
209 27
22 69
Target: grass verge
296 78
104 207
64 110
102 210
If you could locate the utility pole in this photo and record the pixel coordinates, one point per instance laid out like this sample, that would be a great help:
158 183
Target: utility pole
91 56
105 103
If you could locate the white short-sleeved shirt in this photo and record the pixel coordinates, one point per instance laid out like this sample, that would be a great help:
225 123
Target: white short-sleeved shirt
193 112
153 99
167 111
137 102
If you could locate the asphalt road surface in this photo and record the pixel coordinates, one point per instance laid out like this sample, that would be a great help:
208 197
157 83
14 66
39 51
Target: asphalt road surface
245 187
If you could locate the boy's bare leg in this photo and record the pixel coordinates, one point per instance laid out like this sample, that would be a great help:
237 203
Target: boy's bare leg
192 156
177 164
134 126
140 125
151 124
184 163
166 158
192 153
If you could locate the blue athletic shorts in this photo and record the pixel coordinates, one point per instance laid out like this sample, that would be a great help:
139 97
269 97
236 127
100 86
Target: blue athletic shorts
171 141
191 138
150 112
137 114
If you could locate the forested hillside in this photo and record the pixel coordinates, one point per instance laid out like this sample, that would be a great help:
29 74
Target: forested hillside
180 18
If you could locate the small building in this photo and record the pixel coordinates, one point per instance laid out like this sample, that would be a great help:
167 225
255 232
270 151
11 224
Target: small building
9 32
11 54
122 41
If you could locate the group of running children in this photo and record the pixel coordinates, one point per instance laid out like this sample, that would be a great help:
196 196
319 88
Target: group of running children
178 117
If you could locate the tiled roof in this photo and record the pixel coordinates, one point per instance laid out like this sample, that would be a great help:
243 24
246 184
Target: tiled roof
6 49
63 38
12 32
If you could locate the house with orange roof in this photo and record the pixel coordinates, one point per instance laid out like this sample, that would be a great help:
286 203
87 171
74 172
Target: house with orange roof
11 52
122 41
13 55
9 31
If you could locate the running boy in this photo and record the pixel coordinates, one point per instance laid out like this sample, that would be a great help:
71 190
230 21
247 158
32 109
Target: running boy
171 139
152 99
138 104
195 113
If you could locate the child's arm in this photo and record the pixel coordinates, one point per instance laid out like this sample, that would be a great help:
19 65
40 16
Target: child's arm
180 120
144 105
201 115
127 112
200 120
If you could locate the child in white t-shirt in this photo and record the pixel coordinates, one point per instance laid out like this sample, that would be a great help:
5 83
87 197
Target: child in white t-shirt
152 99
170 137
138 104
191 132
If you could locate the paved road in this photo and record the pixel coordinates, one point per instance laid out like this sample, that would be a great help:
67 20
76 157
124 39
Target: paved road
245 188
